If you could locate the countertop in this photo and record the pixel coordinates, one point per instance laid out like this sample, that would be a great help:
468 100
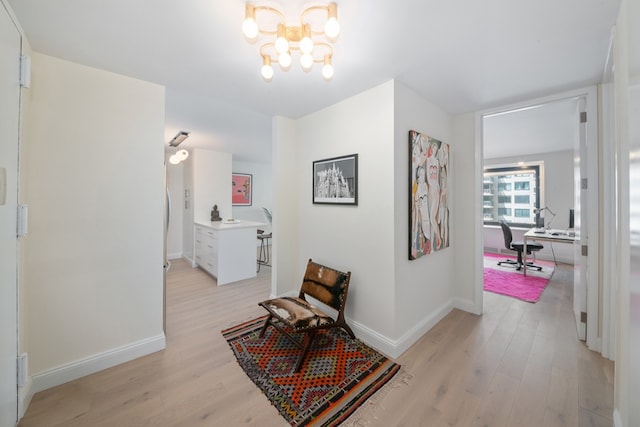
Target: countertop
226 225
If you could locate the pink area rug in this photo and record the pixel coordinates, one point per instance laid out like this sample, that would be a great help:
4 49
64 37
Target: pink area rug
506 280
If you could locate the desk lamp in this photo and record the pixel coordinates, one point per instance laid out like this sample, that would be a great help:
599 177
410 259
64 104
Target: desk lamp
537 211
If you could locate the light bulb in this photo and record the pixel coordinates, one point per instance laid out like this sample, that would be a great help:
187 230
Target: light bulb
306 45
174 160
327 71
332 28
282 44
306 60
267 72
267 69
250 28
284 60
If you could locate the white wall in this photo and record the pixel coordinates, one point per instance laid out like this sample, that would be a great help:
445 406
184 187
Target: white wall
287 262
355 238
424 288
175 185
211 183
94 185
392 301
558 185
466 169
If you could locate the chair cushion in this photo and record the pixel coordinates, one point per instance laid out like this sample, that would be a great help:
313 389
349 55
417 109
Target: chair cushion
296 312
531 246
325 284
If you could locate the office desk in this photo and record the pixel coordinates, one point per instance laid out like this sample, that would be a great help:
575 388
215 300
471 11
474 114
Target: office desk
547 236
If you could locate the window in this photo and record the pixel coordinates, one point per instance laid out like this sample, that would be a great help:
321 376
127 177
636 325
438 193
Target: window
511 193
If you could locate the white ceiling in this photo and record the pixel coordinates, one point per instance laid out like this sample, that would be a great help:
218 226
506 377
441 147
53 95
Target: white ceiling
462 55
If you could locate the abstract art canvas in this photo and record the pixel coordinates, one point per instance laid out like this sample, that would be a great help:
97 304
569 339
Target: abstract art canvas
241 188
428 195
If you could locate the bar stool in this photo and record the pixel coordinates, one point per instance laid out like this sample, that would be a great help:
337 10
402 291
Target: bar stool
264 257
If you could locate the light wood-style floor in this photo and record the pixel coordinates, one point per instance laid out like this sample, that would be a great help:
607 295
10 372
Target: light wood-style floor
519 364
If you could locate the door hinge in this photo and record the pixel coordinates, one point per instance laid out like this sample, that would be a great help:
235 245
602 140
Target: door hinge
585 250
25 71
583 317
22 365
583 117
584 183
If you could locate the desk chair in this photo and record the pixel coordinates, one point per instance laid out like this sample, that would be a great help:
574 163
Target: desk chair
518 247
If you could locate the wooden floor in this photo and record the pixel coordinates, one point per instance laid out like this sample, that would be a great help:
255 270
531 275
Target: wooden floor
519 364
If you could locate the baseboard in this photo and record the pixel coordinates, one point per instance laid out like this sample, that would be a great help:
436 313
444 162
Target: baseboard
25 394
617 422
395 348
98 362
466 305
176 255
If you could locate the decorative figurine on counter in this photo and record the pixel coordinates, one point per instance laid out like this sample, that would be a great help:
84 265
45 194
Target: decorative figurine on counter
215 215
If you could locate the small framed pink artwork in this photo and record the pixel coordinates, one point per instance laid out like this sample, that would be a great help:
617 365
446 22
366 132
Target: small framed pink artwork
241 189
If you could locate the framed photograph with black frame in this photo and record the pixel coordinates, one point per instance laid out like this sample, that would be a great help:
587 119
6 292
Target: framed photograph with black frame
335 180
241 189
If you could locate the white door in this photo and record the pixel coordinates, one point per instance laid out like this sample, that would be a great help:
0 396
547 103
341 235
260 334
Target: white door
9 113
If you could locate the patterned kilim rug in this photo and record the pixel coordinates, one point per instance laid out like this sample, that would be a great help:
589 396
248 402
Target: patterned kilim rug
338 375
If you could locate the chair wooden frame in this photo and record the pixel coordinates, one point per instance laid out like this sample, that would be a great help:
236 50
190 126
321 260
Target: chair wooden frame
323 283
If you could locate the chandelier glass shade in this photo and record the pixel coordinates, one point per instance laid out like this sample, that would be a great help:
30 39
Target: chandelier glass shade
279 41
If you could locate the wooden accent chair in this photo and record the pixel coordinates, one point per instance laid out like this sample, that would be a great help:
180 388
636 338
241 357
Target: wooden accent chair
296 315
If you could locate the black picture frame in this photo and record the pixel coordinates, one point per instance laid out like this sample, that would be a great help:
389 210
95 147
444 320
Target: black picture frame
335 180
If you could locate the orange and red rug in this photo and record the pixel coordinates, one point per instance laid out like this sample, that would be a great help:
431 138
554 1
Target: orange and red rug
338 375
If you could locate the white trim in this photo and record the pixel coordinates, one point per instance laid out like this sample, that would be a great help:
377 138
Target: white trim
390 347
590 94
25 394
617 421
466 305
98 362
478 253
395 348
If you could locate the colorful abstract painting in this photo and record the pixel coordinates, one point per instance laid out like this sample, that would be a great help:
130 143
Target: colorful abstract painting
241 188
428 195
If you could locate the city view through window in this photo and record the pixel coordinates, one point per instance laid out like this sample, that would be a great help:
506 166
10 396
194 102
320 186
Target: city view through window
511 194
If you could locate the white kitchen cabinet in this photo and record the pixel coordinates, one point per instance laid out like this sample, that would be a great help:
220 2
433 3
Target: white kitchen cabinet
225 250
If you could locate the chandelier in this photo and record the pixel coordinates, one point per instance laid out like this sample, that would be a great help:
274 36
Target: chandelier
279 40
